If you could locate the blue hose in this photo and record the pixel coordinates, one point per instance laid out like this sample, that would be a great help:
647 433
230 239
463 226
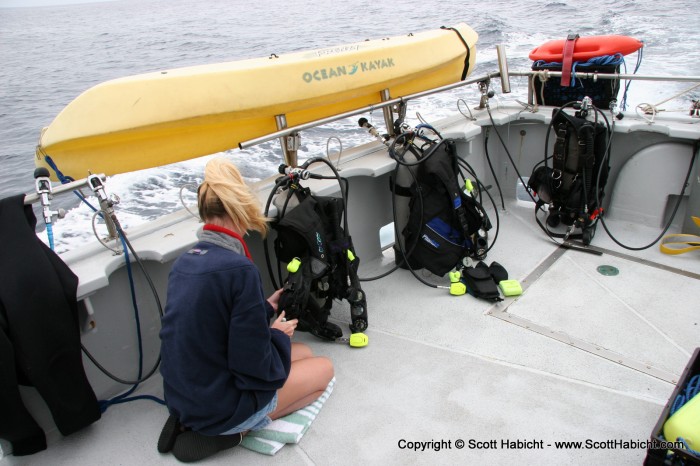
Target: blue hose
124 397
49 233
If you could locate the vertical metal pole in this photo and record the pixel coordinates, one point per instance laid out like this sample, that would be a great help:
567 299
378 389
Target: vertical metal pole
530 91
503 68
287 142
388 114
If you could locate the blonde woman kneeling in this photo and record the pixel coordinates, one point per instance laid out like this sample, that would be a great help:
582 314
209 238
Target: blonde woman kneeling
225 369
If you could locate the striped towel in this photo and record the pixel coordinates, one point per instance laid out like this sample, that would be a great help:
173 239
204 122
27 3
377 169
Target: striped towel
288 429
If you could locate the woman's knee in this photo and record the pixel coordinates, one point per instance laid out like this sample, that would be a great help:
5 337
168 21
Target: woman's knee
315 372
325 368
301 351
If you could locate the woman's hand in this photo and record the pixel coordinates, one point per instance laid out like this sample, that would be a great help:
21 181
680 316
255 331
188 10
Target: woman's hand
287 326
275 299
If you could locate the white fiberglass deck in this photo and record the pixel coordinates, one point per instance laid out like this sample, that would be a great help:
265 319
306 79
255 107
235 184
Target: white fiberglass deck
441 369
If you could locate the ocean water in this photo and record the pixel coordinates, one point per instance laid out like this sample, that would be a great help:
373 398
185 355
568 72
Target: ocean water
49 55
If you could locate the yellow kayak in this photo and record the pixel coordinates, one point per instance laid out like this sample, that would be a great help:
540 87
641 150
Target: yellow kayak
163 117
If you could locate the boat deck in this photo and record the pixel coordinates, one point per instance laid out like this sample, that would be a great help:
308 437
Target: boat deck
579 356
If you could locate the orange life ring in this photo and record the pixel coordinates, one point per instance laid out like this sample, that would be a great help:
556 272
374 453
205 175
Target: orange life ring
586 48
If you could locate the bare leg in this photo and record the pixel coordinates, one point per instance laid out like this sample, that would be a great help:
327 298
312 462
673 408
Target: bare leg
301 351
307 380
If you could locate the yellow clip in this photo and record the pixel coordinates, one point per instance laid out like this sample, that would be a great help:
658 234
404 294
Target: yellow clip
358 340
458 289
293 265
468 185
351 256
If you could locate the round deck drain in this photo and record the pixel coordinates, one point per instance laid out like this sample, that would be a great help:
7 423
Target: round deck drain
608 270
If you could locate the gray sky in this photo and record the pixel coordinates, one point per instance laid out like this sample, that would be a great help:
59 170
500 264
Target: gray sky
14 3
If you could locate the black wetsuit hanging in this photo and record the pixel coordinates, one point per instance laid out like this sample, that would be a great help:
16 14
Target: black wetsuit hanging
39 334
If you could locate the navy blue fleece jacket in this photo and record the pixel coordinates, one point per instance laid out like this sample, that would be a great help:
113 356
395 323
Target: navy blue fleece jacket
221 361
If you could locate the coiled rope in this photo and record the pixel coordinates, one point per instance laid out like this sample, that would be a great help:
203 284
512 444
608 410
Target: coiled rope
644 109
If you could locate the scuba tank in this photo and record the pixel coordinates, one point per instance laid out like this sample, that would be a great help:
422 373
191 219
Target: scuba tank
444 223
575 184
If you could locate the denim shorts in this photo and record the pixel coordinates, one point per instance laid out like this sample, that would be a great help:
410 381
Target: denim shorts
257 421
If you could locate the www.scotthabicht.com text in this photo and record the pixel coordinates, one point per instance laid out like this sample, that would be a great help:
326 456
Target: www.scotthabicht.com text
532 444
